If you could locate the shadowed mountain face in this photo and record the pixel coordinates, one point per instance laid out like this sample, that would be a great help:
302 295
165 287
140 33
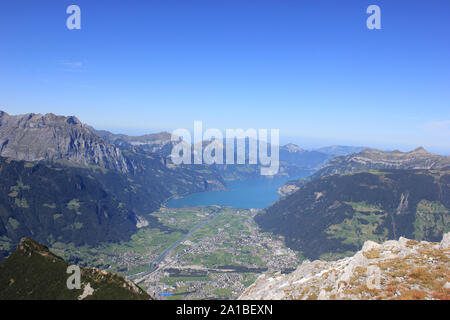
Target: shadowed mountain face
60 204
35 137
332 216
33 272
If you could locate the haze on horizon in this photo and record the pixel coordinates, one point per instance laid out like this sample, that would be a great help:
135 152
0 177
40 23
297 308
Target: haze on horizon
311 69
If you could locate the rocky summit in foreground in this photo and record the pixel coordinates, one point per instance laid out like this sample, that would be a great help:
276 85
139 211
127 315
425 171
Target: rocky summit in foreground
403 269
32 272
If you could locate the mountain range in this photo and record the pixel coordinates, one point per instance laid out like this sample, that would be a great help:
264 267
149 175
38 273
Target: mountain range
52 138
64 181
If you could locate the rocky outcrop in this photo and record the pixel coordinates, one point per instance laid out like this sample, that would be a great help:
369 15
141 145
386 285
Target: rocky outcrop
445 243
403 269
287 189
36 137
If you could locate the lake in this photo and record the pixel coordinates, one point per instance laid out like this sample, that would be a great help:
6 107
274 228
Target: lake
257 193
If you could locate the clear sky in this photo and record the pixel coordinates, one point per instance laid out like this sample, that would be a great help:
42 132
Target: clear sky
310 68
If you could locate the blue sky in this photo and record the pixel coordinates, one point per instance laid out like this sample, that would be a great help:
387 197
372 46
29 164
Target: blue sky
310 68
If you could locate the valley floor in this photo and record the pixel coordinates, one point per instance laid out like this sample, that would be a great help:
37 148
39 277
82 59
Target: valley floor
196 253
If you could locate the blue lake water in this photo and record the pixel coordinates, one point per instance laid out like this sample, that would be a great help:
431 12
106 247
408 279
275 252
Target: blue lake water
257 193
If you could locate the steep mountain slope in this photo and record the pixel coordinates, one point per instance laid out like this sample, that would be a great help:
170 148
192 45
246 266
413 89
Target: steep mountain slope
35 137
332 216
58 204
32 272
371 159
403 269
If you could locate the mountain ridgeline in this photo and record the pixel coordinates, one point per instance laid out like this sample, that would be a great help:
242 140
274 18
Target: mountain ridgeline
59 139
372 159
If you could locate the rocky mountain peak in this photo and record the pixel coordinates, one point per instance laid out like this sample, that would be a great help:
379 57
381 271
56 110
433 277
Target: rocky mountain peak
37 137
292 148
419 150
